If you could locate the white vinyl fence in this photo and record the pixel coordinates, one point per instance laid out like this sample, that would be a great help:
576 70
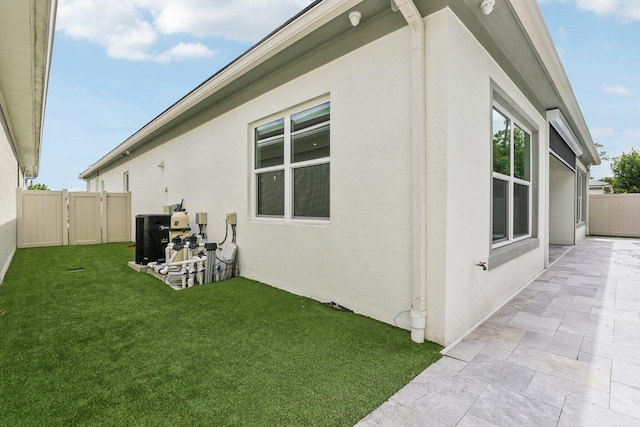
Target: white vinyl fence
614 215
59 218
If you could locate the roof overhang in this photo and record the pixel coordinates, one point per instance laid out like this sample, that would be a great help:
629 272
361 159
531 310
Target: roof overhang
515 35
26 38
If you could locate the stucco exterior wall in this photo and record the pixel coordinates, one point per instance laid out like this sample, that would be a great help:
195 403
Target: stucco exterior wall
562 203
459 95
361 259
8 183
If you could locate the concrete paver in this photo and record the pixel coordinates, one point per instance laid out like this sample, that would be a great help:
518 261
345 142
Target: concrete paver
564 352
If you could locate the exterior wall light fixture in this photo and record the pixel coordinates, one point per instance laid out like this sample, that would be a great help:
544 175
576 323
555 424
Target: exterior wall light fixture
354 17
487 6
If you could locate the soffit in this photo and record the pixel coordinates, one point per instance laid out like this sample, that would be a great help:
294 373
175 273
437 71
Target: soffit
312 39
25 47
516 36
323 33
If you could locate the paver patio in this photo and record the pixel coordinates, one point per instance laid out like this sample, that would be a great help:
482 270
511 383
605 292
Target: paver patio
564 352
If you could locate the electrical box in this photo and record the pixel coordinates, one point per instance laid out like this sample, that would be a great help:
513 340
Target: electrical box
232 218
166 209
201 218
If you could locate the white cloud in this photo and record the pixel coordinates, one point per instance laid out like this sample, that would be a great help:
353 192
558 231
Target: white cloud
616 90
601 133
242 20
184 50
633 133
130 29
626 10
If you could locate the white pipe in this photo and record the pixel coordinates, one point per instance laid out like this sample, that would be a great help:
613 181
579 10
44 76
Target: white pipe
419 169
191 274
167 252
166 267
201 270
184 276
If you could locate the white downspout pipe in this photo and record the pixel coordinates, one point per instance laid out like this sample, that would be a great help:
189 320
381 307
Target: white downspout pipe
418 151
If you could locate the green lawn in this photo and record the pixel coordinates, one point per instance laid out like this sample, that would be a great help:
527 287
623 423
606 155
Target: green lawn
109 346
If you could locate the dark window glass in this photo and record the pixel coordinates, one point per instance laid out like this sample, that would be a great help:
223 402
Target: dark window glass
520 210
271 193
501 143
310 144
310 117
310 134
270 144
311 191
521 154
500 210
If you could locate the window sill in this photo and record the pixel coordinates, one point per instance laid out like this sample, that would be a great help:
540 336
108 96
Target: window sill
294 221
504 254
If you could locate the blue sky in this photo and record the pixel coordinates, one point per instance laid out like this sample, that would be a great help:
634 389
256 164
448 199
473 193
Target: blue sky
117 64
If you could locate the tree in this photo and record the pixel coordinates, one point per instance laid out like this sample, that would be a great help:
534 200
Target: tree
33 186
626 172
601 153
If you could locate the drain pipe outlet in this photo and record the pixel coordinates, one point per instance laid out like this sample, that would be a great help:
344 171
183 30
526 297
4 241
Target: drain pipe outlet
418 150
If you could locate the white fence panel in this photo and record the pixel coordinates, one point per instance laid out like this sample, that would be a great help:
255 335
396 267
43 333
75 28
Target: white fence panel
614 215
58 218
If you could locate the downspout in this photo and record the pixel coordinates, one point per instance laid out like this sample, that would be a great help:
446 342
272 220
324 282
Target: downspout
418 166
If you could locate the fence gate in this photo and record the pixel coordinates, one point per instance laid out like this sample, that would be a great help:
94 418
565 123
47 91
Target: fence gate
116 217
58 218
84 218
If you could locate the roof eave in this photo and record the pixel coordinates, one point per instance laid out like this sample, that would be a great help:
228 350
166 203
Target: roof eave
27 29
535 27
303 24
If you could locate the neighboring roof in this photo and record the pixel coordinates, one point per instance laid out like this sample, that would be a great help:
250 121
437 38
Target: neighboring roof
26 41
515 35
600 185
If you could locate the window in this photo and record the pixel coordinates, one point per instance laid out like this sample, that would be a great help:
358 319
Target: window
125 181
512 192
581 202
291 169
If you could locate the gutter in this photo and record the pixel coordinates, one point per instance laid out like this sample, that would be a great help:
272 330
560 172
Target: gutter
418 150
305 22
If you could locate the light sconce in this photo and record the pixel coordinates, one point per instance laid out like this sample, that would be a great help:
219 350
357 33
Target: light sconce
355 17
487 6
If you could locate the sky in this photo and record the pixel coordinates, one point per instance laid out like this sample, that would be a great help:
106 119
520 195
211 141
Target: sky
117 64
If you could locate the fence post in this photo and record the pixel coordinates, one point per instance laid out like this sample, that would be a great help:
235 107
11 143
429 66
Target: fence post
65 218
129 216
19 217
104 210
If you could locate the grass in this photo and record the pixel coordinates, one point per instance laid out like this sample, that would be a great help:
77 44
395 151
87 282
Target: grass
108 346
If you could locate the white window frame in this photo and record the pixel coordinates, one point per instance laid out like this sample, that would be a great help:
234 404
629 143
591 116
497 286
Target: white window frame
581 216
512 180
288 166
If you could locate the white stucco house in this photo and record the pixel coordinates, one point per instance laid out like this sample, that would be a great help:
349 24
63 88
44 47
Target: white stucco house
414 167
26 38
